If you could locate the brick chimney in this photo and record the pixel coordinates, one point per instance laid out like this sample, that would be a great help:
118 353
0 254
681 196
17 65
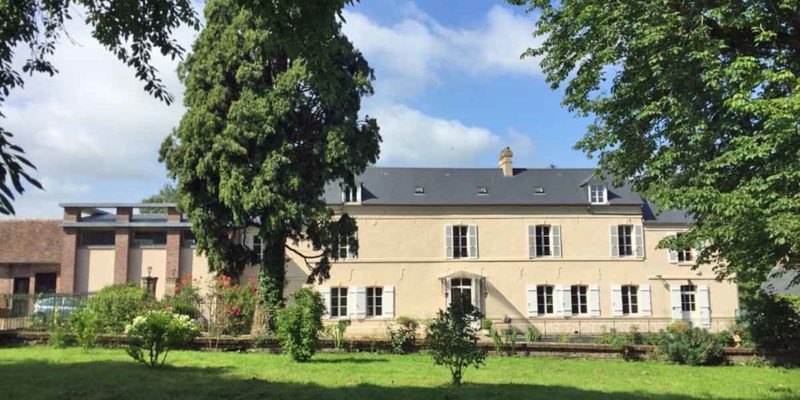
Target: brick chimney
505 162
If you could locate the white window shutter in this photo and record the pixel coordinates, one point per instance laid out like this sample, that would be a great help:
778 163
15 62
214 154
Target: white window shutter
704 304
558 300
357 302
594 300
477 294
531 241
533 310
472 237
675 295
448 284
616 300
672 255
448 242
639 234
325 292
388 302
358 193
555 240
645 307
566 300
614 240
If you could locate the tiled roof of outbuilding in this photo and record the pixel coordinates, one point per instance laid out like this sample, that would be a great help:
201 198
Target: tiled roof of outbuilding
30 241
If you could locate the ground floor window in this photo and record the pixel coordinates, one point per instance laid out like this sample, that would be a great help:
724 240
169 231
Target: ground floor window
374 301
630 301
579 305
339 302
687 297
461 289
45 282
544 299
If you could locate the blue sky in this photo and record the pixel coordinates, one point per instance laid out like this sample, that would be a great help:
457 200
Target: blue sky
450 90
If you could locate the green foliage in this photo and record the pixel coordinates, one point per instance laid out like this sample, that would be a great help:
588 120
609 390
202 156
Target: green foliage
623 341
683 344
497 341
235 306
186 300
153 334
272 101
452 340
486 324
403 336
115 306
336 332
167 194
563 338
532 334
84 325
773 321
300 324
696 103
59 334
130 29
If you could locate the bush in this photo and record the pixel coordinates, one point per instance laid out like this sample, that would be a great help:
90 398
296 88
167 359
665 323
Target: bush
186 300
452 340
532 334
336 332
402 337
58 332
234 306
300 323
774 321
84 326
486 324
117 305
153 334
623 341
683 344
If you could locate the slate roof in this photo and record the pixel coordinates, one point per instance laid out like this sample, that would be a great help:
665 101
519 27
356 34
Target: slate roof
30 241
780 282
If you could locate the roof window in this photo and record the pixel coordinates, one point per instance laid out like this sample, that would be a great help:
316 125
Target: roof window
482 190
538 190
419 190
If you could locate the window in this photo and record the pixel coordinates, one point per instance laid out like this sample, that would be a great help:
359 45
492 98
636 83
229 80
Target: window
625 240
97 238
460 241
538 190
687 298
544 299
543 240
338 302
351 194
258 250
579 305
597 194
345 251
374 301
149 238
419 190
482 190
188 239
630 301
461 289
685 255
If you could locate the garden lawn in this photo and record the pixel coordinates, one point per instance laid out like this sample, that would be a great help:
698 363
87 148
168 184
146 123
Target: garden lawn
44 373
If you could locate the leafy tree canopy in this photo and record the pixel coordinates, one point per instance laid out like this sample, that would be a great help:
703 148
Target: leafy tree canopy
697 103
131 29
167 194
273 92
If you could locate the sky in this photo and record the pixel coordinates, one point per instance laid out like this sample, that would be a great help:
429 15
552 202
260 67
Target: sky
450 91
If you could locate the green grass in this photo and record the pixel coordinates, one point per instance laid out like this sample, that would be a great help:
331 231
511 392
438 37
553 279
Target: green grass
44 373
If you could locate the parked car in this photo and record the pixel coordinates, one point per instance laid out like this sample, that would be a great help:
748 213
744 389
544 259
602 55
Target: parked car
47 305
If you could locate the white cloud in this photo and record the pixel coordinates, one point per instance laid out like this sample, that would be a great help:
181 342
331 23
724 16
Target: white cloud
36 203
411 138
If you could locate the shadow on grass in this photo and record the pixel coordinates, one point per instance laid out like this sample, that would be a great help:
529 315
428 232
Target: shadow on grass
347 360
37 379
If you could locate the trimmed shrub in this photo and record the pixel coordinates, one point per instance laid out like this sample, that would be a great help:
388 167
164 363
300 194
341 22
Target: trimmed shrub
300 323
84 326
153 334
117 305
683 344
452 339
403 336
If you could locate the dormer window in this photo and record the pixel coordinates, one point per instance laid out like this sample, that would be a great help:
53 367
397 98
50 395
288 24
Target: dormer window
482 190
351 194
538 190
419 190
598 194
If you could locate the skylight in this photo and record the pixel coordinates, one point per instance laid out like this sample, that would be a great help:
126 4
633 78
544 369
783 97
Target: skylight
483 190
419 190
538 190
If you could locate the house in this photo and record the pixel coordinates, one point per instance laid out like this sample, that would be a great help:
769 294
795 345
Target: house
558 248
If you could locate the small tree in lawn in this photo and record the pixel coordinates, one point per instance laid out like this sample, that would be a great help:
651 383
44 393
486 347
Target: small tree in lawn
300 324
452 339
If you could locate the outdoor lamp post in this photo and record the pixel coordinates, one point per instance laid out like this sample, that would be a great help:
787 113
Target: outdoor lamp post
149 282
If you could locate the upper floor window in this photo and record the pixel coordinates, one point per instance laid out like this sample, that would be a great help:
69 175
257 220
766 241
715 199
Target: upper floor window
544 299
688 297
338 306
627 241
97 238
351 194
681 256
345 251
150 238
598 194
630 300
188 239
461 241
374 301
544 241
258 250
579 303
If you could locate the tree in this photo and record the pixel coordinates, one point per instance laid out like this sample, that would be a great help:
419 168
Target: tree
272 97
130 29
299 324
697 104
167 194
452 339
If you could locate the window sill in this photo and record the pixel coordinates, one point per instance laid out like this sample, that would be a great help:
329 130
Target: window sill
97 246
149 246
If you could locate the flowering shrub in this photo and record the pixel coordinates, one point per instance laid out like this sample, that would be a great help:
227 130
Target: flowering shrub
117 305
234 306
152 334
402 337
186 300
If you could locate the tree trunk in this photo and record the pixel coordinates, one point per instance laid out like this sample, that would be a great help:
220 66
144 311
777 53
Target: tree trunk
272 280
